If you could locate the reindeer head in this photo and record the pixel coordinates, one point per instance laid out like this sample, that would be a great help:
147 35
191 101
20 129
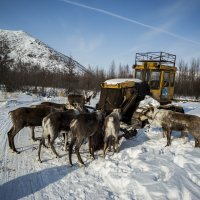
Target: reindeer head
100 115
144 113
118 111
88 96
148 114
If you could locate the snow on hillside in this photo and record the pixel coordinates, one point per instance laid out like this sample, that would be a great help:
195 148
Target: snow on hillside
143 169
27 49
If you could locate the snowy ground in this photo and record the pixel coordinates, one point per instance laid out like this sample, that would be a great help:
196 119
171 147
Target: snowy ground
143 169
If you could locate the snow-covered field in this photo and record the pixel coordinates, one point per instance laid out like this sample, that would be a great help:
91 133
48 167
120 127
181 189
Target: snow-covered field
143 169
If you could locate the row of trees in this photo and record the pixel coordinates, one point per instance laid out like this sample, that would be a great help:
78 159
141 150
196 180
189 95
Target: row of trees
22 76
188 79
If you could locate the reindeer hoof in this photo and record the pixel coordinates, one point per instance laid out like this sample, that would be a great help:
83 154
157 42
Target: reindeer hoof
15 151
82 165
39 160
92 157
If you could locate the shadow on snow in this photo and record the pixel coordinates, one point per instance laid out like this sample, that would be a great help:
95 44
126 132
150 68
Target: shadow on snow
30 183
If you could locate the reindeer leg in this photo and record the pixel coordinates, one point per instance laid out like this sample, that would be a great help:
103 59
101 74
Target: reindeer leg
48 142
12 136
33 133
91 147
42 142
197 142
70 149
9 137
168 137
90 144
53 148
110 143
105 146
164 134
77 147
65 135
116 145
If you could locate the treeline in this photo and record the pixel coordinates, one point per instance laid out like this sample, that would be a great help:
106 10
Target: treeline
188 79
23 77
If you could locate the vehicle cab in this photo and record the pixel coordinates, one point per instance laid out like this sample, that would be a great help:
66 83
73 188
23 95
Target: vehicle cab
158 70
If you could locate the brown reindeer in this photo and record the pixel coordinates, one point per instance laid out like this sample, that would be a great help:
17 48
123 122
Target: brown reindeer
26 117
170 120
57 107
84 126
79 98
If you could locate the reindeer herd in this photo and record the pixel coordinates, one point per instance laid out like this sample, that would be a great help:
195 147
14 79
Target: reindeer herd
72 119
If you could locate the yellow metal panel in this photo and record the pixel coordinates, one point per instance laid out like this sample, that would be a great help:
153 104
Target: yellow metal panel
155 66
170 92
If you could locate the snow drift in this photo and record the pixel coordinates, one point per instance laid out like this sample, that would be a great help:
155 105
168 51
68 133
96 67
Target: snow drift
143 169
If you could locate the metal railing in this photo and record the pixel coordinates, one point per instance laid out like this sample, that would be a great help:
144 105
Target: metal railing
159 57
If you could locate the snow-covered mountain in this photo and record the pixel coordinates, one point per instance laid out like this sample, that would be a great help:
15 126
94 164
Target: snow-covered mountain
26 49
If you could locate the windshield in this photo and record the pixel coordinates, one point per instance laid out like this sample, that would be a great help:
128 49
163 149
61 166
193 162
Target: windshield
155 80
138 74
166 79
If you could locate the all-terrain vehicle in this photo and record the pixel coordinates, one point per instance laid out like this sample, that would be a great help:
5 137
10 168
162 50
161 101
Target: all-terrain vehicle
154 74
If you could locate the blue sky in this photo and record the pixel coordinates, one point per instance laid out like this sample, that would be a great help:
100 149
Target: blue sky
96 32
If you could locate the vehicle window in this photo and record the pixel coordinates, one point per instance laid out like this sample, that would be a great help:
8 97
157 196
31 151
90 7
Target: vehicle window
155 80
172 76
147 77
166 79
138 74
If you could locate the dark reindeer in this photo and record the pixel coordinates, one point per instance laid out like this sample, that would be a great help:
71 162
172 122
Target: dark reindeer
26 117
84 126
52 125
79 98
61 107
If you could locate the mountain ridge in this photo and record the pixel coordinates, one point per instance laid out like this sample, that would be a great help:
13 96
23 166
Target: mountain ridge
22 47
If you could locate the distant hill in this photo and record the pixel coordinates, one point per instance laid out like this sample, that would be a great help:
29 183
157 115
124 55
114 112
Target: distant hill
21 47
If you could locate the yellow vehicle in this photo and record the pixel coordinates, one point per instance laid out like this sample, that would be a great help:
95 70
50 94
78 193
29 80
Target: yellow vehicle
154 75
158 70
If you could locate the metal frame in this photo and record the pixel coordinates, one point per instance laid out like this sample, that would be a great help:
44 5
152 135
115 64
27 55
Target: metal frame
159 57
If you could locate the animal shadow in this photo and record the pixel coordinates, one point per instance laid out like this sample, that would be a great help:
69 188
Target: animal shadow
30 183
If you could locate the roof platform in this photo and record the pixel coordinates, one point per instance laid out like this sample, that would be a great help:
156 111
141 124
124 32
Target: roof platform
159 57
